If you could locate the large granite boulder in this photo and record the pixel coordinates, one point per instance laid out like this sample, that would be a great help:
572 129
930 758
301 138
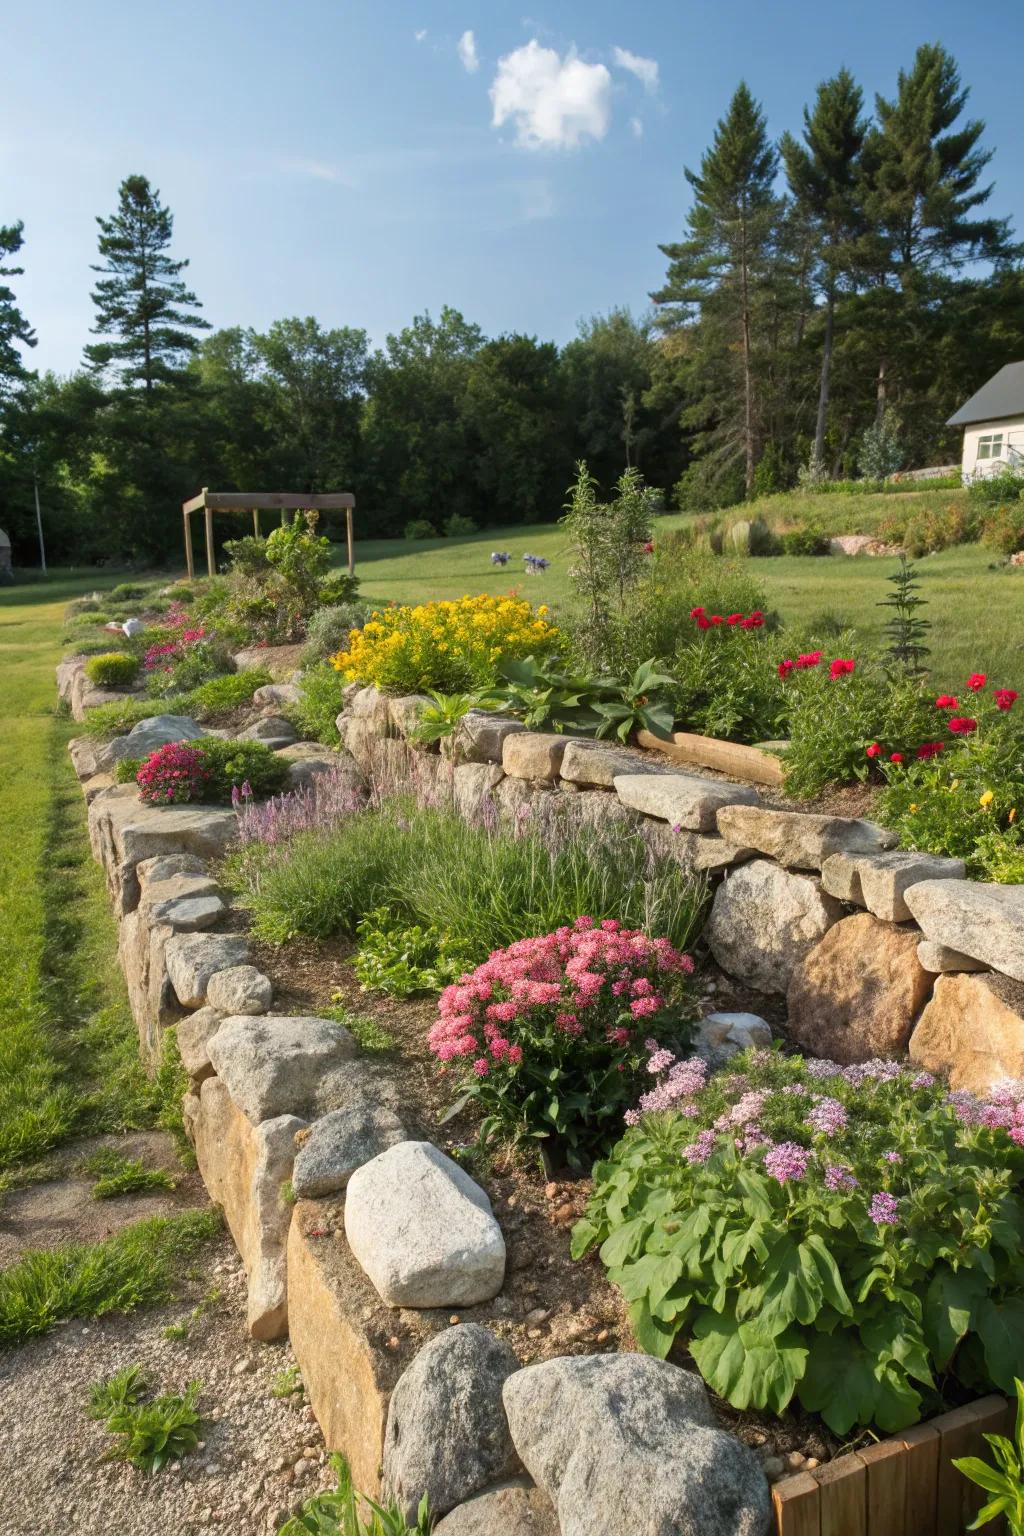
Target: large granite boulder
146 737
515 1508
124 833
765 920
278 1064
423 1230
798 839
240 989
858 993
447 1435
480 736
983 921
972 1031
625 1443
597 764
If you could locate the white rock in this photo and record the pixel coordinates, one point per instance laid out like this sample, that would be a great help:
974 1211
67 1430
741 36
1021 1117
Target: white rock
240 989
423 1230
682 799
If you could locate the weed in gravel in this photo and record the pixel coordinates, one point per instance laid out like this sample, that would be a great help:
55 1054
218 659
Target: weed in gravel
151 1434
178 1332
116 1392
116 1174
134 1267
287 1383
341 1511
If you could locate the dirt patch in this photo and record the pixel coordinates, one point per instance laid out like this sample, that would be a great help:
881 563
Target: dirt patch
836 800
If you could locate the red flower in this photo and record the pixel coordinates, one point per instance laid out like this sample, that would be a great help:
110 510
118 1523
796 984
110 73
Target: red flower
960 725
702 622
874 750
753 620
811 659
716 618
895 757
976 682
648 548
929 749
695 613
1005 698
734 618
945 701
840 667
785 668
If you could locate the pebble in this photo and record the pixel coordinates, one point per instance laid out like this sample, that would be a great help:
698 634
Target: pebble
301 1467
538 1315
243 1366
795 1460
810 1462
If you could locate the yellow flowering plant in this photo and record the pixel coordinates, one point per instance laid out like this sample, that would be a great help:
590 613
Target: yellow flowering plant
448 646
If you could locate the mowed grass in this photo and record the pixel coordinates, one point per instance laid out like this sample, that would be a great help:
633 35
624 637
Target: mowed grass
68 1055
975 607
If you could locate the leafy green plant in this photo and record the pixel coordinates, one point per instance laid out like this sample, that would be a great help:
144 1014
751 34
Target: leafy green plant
149 1435
843 1235
641 705
1001 489
315 715
343 1512
906 629
402 958
543 693
440 718
418 528
1005 1480
122 1390
195 664
114 669
881 448
287 1383
726 684
608 545
370 1035
810 539
116 1174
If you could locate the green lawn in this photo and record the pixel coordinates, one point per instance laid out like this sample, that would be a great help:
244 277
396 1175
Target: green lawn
976 608
68 1055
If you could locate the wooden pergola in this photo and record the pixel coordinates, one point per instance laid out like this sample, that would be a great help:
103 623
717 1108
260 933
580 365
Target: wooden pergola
209 502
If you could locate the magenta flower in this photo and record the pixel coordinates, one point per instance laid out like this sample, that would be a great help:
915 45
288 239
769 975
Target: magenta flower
786 1162
884 1209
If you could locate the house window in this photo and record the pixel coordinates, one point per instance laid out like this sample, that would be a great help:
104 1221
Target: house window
990 446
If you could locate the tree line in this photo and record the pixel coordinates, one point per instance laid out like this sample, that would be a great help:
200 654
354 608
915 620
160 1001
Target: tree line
845 276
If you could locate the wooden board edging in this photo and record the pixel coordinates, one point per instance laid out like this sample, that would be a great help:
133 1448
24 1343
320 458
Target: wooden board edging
730 757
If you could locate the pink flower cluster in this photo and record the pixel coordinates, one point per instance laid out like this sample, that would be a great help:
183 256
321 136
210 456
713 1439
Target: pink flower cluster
1002 1110
592 983
679 1087
173 775
162 656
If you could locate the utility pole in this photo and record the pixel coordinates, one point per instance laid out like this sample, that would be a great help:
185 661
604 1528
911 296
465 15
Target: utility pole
39 522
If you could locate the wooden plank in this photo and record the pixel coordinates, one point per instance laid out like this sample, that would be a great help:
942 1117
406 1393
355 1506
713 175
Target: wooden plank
197 503
887 1487
843 1496
921 1447
796 1506
272 501
961 1435
725 756
190 563
211 564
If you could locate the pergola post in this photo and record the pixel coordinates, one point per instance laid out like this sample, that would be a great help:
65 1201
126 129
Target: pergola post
256 521
188 544
351 545
208 517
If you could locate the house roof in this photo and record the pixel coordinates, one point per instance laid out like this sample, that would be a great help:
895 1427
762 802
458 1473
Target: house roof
1002 396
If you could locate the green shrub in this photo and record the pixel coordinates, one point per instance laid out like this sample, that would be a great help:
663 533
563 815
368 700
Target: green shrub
328 630
1003 528
809 540
457 526
129 591
223 694
210 769
926 530
113 669
274 585
995 490
837 709
727 685
194 664
844 1236
315 714
418 528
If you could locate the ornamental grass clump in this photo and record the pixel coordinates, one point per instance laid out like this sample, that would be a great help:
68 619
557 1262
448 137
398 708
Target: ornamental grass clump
548 1035
845 1235
450 646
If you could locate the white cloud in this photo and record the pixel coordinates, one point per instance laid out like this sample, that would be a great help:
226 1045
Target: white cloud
467 53
311 170
637 126
646 70
420 35
554 102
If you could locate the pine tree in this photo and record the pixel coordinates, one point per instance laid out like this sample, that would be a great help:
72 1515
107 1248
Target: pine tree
825 179
141 299
721 266
14 329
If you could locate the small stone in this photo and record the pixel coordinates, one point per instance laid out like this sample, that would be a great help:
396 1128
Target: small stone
240 989
810 1462
773 1467
532 755
795 1460
341 1142
939 959
550 1191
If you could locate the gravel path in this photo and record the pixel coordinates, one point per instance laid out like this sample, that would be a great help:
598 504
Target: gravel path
260 1455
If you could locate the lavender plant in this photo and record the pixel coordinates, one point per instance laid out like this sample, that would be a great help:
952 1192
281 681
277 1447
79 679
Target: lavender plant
848 1236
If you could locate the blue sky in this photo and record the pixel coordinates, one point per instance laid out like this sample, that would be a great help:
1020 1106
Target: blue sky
365 161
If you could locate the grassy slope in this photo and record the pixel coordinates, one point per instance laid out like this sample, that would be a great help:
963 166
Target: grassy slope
68 1058
976 611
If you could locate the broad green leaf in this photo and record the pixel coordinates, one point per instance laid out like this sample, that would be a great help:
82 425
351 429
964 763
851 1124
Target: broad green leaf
654 1337
839 1381
828 1270
791 1289
745 1364
1000 1326
949 1306
625 1243
897 1404
892 1336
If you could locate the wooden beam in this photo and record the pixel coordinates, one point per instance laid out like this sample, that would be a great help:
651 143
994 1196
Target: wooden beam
188 542
351 546
197 503
256 521
270 501
211 565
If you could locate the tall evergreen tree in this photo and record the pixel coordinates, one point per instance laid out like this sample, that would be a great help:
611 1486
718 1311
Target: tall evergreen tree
141 299
720 269
824 175
14 328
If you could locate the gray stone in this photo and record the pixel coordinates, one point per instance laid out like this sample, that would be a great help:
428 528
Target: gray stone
877 881
277 693
191 914
273 730
123 834
721 1036
625 1443
279 1064
938 959
480 737
240 989
169 867
192 958
980 920
85 752
765 920
158 898
146 737
372 706
532 755
515 1508
682 799
423 1230
701 851
447 1435
472 789
798 839
405 712
342 1141
193 1034
599 762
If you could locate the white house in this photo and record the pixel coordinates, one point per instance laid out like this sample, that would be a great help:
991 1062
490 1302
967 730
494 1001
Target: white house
993 423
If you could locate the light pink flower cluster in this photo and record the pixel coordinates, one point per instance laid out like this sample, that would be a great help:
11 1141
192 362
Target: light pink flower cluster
1002 1110
592 982
678 1089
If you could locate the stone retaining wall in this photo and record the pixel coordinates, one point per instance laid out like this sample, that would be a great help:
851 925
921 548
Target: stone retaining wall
341 1219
